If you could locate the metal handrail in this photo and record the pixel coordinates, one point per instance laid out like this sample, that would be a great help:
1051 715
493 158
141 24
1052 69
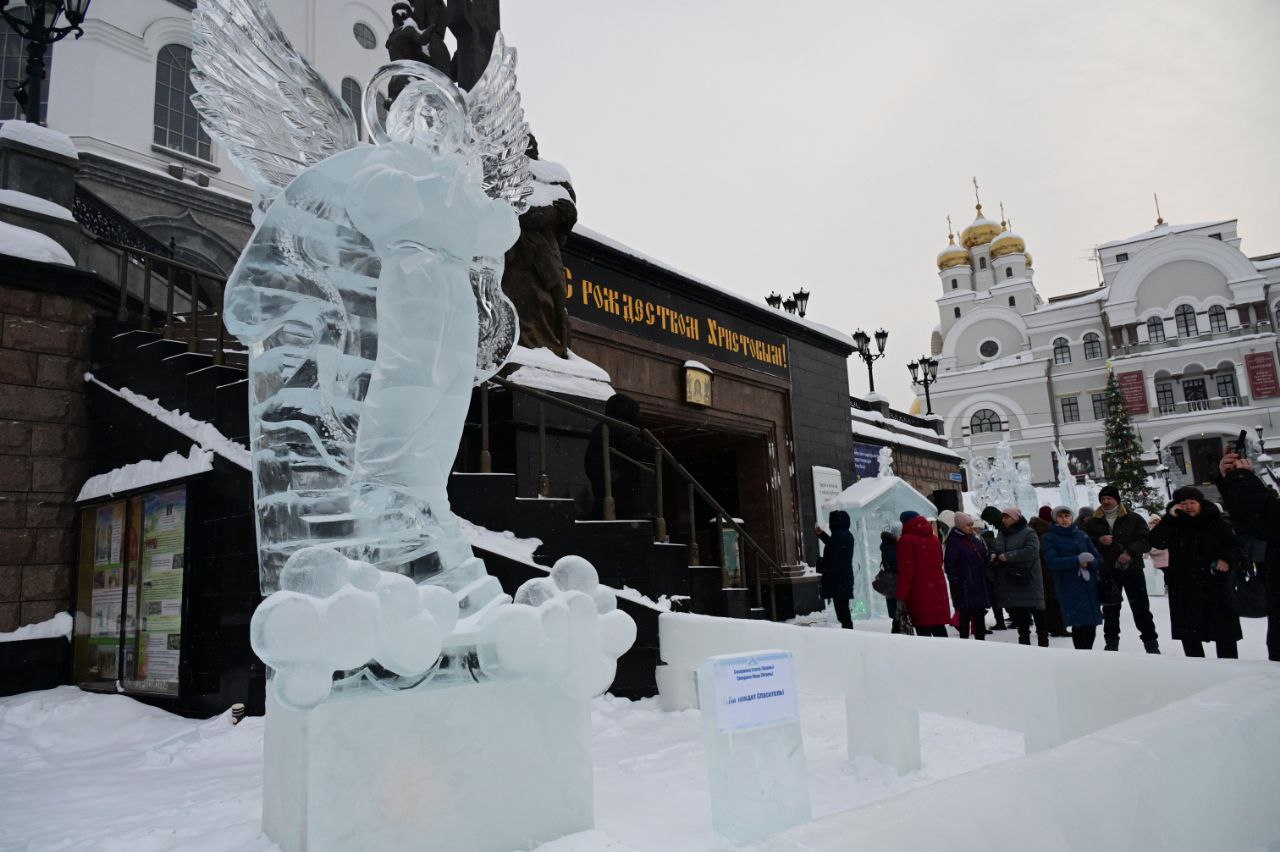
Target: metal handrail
661 452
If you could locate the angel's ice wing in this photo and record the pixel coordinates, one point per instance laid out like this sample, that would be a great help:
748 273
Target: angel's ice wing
497 118
260 98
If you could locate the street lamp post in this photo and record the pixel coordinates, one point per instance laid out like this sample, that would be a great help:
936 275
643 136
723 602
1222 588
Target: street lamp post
773 300
802 300
862 348
40 31
924 373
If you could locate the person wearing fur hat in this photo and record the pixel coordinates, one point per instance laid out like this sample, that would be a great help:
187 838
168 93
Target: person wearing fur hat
1121 538
1074 560
922 585
965 562
1018 579
1202 548
991 517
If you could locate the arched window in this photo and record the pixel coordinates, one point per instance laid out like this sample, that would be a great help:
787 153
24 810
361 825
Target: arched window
1092 347
1217 318
984 420
957 313
1155 329
1008 272
954 284
365 36
177 124
1013 303
13 67
1185 318
1061 351
982 263
352 96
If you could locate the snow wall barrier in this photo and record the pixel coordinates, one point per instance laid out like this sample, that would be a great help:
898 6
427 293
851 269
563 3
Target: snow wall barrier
1123 751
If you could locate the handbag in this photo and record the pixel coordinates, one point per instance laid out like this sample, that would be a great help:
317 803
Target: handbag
905 627
1246 592
885 582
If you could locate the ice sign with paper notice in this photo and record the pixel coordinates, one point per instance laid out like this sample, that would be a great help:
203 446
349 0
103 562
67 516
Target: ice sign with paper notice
754 691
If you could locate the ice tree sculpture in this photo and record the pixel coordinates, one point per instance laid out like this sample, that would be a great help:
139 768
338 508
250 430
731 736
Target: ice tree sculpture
1027 500
370 299
1066 480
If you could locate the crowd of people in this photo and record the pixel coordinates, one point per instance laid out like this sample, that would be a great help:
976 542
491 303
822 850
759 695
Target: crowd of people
1063 574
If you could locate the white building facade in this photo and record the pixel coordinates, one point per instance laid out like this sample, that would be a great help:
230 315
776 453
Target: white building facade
1183 316
122 93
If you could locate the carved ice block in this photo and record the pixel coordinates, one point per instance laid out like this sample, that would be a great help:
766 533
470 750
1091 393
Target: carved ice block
489 767
755 753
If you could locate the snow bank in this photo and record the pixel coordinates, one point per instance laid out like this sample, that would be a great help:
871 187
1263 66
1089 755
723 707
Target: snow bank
34 204
38 137
547 371
144 473
32 245
204 434
59 625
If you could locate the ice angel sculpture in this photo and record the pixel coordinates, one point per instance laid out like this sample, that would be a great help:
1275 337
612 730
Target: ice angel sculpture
370 299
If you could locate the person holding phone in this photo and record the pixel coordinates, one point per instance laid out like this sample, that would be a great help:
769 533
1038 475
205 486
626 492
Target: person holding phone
1202 548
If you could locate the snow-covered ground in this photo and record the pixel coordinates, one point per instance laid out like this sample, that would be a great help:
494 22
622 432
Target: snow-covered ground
103 772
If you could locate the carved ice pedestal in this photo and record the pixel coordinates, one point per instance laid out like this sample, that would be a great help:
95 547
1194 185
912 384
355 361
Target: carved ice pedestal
488 767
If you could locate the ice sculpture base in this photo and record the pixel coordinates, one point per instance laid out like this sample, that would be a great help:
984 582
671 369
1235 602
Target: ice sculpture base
489 767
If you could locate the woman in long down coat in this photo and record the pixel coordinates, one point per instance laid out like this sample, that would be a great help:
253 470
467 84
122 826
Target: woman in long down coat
922 586
965 560
1074 561
837 565
1018 578
1202 548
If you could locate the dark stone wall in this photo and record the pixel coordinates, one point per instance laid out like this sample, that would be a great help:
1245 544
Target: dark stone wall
44 351
820 420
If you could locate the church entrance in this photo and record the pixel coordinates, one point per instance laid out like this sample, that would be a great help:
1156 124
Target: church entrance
1205 454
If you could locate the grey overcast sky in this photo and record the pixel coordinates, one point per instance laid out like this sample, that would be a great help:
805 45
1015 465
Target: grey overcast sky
772 145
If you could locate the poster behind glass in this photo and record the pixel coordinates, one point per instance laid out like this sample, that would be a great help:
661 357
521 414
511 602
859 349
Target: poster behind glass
154 637
100 602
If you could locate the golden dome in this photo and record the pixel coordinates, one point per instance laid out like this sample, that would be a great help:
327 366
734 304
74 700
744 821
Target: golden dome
952 255
916 408
1007 243
1028 256
980 232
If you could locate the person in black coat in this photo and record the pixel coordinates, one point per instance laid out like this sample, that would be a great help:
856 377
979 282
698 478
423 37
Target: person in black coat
1202 548
623 475
1257 509
889 562
991 517
1121 537
837 565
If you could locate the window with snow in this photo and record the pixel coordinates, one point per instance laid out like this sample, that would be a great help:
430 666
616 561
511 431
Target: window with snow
1217 318
1092 347
1061 351
177 124
13 67
984 420
1155 329
1185 318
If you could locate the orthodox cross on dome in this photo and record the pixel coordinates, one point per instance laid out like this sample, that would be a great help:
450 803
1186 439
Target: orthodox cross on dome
951 237
1159 218
975 194
1004 223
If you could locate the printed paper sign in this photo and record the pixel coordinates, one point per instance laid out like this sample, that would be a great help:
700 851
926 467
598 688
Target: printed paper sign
1133 389
754 690
1261 368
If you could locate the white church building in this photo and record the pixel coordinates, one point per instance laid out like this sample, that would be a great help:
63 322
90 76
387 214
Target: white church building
1184 317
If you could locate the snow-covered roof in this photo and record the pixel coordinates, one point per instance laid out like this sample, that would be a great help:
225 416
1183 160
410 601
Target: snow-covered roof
32 245
58 626
884 436
37 136
698 365
1163 231
893 425
866 491
545 370
1069 299
1267 263
816 327
35 204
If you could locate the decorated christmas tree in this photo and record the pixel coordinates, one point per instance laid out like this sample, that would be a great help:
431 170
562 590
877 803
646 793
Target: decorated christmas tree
1123 454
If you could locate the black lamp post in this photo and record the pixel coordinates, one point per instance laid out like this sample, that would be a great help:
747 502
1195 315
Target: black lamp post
924 373
773 300
39 32
862 348
802 300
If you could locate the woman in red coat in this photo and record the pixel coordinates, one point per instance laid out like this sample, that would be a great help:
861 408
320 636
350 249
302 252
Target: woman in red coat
922 584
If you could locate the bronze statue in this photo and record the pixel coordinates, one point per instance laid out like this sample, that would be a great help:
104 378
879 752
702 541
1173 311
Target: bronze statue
534 278
407 41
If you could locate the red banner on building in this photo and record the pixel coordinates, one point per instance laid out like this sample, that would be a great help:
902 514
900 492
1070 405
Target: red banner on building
1263 381
1133 387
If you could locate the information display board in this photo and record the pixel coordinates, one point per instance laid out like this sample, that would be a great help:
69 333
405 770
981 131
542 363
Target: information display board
754 690
101 592
159 597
